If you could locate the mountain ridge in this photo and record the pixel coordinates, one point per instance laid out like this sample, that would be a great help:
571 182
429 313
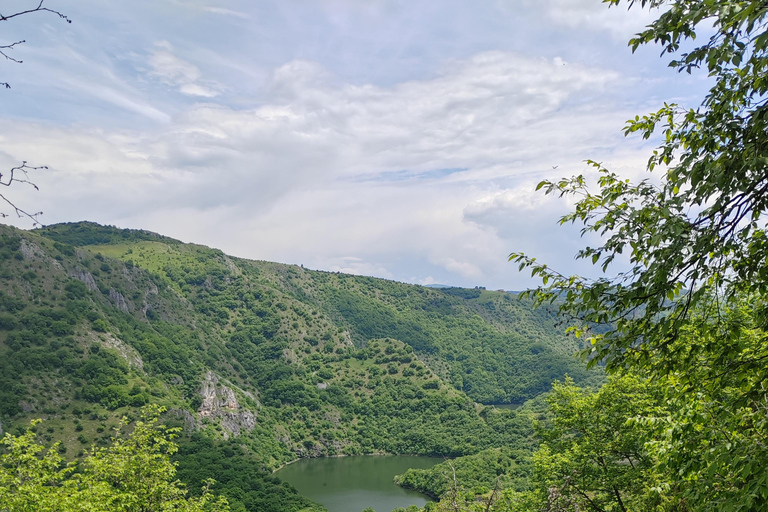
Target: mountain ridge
288 361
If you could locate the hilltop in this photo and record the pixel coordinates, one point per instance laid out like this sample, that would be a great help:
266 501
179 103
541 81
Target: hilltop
282 361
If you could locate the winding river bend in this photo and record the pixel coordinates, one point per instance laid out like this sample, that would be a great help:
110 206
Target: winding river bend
350 484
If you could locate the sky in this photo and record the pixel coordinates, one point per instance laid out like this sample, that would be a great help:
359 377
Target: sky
396 139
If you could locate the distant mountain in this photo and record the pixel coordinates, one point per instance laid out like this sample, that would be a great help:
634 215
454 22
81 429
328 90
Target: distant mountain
437 285
96 321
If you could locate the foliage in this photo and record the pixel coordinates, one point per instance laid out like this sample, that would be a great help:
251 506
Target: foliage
494 501
689 312
699 230
133 474
93 337
496 349
78 234
592 455
710 445
478 473
240 478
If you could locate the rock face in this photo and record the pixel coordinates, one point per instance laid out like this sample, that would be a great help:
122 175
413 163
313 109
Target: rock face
126 351
118 299
220 402
85 277
30 250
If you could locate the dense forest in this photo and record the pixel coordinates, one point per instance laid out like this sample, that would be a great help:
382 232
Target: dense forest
260 361
169 376
680 425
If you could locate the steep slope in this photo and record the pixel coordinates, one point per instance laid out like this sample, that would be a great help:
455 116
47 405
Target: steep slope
96 321
490 345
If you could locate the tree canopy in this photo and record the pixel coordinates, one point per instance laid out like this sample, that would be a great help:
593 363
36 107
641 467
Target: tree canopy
134 474
696 235
688 312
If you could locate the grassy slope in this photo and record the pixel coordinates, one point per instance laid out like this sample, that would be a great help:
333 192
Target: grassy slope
159 314
490 345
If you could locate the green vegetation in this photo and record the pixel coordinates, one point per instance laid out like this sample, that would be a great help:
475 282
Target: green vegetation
278 361
241 479
134 473
593 452
262 361
79 234
478 473
687 320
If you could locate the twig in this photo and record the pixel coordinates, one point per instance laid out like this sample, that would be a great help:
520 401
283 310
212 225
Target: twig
10 178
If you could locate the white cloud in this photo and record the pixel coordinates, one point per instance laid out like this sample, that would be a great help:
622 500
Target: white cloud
307 177
620 22
424 282
172 70
227 12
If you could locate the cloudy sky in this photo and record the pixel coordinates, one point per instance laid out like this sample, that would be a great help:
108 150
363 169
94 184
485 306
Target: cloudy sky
399 139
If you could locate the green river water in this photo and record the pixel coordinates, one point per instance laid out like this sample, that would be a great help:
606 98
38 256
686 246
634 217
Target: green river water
350 484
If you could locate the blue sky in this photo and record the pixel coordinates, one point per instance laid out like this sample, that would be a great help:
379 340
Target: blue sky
399 139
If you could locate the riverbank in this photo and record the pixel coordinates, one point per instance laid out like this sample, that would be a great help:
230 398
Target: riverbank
339 455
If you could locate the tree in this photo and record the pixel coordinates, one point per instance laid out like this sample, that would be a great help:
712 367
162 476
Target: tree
710 442
134 474
19 173
592 457
699 235
690 311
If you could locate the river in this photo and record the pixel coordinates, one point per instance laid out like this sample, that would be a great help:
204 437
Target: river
350 484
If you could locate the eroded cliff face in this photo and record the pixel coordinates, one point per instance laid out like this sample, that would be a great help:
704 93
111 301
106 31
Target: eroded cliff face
220 403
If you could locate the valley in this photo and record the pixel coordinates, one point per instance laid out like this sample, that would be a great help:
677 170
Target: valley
263 362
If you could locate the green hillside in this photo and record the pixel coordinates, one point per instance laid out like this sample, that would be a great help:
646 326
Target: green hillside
488 344
96 322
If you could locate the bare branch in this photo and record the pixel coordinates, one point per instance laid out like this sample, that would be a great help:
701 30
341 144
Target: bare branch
39 8
11 177
19 174
5 47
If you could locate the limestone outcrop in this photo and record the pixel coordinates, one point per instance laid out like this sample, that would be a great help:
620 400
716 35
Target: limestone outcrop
220 403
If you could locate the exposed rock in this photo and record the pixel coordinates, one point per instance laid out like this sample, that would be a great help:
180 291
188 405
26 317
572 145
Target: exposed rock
1 428
85 277
346 339
313 452
118 299
216 396
127 352
290 356
30 250
152 290
220 402
236 422
190 424
322 385
26 406
231 266
282 435
333 416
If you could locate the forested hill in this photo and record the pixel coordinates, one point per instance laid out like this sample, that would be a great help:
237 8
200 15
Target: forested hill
96 322
488 344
